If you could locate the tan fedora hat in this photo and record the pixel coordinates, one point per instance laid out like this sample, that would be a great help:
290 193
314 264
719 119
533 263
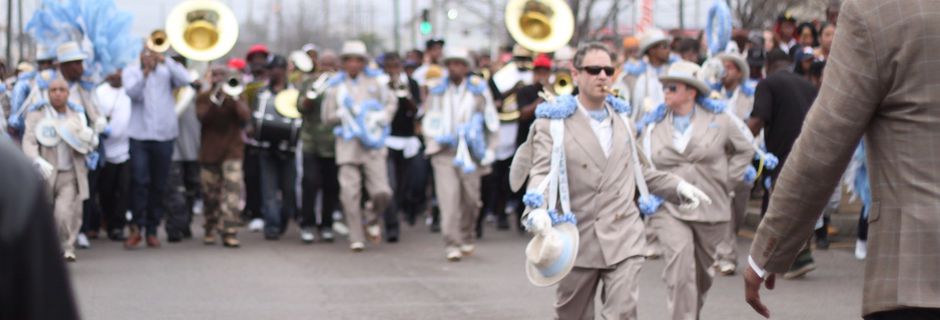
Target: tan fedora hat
550 255
687 73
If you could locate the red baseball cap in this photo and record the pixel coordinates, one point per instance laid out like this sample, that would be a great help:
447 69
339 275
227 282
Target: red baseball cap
258 48
237 63
542 61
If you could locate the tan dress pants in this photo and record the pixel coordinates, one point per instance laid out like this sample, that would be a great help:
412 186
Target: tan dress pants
728 248
351 176
458 195
689 249
619 291
67 208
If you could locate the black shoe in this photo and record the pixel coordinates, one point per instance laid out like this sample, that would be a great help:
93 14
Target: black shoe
502 223
822 243
187 233
116 235
392 239
174 236
272 236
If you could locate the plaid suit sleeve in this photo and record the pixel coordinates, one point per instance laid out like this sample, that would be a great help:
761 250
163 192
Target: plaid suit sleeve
850 94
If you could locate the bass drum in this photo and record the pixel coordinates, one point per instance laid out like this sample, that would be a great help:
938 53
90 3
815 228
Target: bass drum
273 130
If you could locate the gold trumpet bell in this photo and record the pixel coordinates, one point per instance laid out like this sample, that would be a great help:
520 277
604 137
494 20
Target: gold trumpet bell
285 103
540 25
202 30
158 42
563 83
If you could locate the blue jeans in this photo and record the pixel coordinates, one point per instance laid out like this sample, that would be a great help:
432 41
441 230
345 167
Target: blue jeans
278 174
150 167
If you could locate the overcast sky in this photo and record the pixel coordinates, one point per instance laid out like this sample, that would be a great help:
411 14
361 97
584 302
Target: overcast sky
468 29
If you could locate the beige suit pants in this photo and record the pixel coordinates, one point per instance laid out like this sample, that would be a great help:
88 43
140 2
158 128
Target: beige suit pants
458 195
351 176
728 248
689 249
67 208
619 291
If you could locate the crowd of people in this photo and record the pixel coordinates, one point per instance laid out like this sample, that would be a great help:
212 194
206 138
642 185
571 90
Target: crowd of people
649 145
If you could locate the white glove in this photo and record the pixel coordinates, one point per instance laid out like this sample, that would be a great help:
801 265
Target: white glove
100 124
538 221
488 158
342 113
88 136
691 196
44 167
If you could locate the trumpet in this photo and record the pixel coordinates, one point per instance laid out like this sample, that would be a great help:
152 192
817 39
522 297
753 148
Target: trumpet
232 87
317 87
158 41
563 83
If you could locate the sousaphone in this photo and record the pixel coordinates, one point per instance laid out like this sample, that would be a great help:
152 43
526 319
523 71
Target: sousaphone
202 30
540 25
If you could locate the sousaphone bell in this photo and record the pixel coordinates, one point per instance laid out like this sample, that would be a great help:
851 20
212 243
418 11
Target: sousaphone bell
540 25
202 30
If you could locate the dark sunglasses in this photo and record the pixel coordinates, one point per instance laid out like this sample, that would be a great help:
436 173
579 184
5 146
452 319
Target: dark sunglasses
595 70
671 88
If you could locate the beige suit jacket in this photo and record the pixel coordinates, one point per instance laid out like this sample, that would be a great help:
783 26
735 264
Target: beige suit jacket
476 102
33 149
363 88
881 81
602 190
714 161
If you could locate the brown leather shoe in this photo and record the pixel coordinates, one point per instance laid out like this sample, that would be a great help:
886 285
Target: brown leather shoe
230 241
133 239
209 237
153 242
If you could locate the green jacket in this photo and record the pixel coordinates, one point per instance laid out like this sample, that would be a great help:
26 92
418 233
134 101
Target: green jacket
317 137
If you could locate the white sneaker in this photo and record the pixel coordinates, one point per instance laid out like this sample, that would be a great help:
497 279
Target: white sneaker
198 207
453 255
726 268
256 225
357 246
467 249
82 241
307 235
374 232
340 228
861 249
70 257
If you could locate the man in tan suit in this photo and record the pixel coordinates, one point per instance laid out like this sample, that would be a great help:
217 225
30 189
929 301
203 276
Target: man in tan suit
360 157
601 167
885 91
61 163
456 104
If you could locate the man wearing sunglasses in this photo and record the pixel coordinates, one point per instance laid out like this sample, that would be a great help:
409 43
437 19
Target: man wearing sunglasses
600 166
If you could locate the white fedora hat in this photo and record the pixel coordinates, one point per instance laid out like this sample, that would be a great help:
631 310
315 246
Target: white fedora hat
46 133
77 136
459 54
651 37
687 73
68 52
354 48
550 255
738 61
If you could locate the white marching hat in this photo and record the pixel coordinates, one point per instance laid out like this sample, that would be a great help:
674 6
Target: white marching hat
738 61
550 255
460 54
68 52
651 37
687 73
77 135
354 48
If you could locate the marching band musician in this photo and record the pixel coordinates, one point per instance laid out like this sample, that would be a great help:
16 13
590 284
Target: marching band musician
255 80
150 86
57 138
278 171
461 144
599 156
319 159
361 106
694 138
222 117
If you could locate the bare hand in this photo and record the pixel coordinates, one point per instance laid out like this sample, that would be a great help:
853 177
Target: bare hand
752 284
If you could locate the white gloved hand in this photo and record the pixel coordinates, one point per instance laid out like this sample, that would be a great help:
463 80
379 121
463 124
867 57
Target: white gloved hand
488 158
88 136
342 113
100 124
44 167
538 221
691 196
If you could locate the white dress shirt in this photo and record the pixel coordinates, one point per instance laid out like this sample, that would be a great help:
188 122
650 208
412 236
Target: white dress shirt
603 130
115 104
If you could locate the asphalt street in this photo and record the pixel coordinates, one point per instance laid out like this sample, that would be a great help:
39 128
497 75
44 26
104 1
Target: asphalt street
409 280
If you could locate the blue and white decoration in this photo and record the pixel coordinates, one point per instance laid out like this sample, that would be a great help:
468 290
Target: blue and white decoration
718 28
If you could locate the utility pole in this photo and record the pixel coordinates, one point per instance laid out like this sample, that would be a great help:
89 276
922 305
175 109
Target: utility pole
22 38
9 27
681 14
397 23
